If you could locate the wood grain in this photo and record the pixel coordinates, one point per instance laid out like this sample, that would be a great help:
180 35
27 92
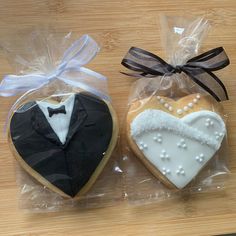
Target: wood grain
117 25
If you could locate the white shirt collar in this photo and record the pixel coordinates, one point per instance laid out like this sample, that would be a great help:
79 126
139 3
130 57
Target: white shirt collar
60 123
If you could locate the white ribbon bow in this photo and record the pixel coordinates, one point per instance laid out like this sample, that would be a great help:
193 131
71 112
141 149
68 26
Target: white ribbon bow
75 57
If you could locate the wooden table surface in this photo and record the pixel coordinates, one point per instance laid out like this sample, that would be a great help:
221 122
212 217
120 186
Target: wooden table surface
117 25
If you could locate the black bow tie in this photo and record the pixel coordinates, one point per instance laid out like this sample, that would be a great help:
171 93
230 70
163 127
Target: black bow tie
58 110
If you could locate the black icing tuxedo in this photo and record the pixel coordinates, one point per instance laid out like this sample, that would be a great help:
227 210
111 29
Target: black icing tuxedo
67 166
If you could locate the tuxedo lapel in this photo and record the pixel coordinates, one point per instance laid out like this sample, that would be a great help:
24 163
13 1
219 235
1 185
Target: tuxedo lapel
78 117
41 125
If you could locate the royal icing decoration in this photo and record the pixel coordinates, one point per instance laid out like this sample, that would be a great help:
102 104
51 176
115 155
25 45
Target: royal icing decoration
178 147
59 122
179 111
63 144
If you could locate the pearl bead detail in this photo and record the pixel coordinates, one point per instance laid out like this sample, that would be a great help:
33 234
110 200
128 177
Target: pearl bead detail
209 122
164 156
218 135
182 144
190 105
158 138
179 111
185 108
200 158
180 171
142 145
165 171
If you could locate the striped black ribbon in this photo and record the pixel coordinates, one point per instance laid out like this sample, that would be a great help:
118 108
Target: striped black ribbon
199 69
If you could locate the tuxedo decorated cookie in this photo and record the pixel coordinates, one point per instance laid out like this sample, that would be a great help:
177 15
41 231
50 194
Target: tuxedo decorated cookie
64 145
175 139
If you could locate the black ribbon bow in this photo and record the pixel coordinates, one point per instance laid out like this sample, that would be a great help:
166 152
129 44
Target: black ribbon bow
199 69
53 111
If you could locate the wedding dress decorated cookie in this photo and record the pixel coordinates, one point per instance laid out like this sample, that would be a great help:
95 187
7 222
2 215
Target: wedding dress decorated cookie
64 145
175 139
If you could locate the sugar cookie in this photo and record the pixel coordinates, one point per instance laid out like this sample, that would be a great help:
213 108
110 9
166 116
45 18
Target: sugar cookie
64 145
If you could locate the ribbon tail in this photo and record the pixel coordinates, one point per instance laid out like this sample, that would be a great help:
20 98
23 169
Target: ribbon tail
12 85
220 84
205 80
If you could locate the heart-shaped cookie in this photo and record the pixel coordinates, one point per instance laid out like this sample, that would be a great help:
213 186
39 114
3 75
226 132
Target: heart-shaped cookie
175 139
64 145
